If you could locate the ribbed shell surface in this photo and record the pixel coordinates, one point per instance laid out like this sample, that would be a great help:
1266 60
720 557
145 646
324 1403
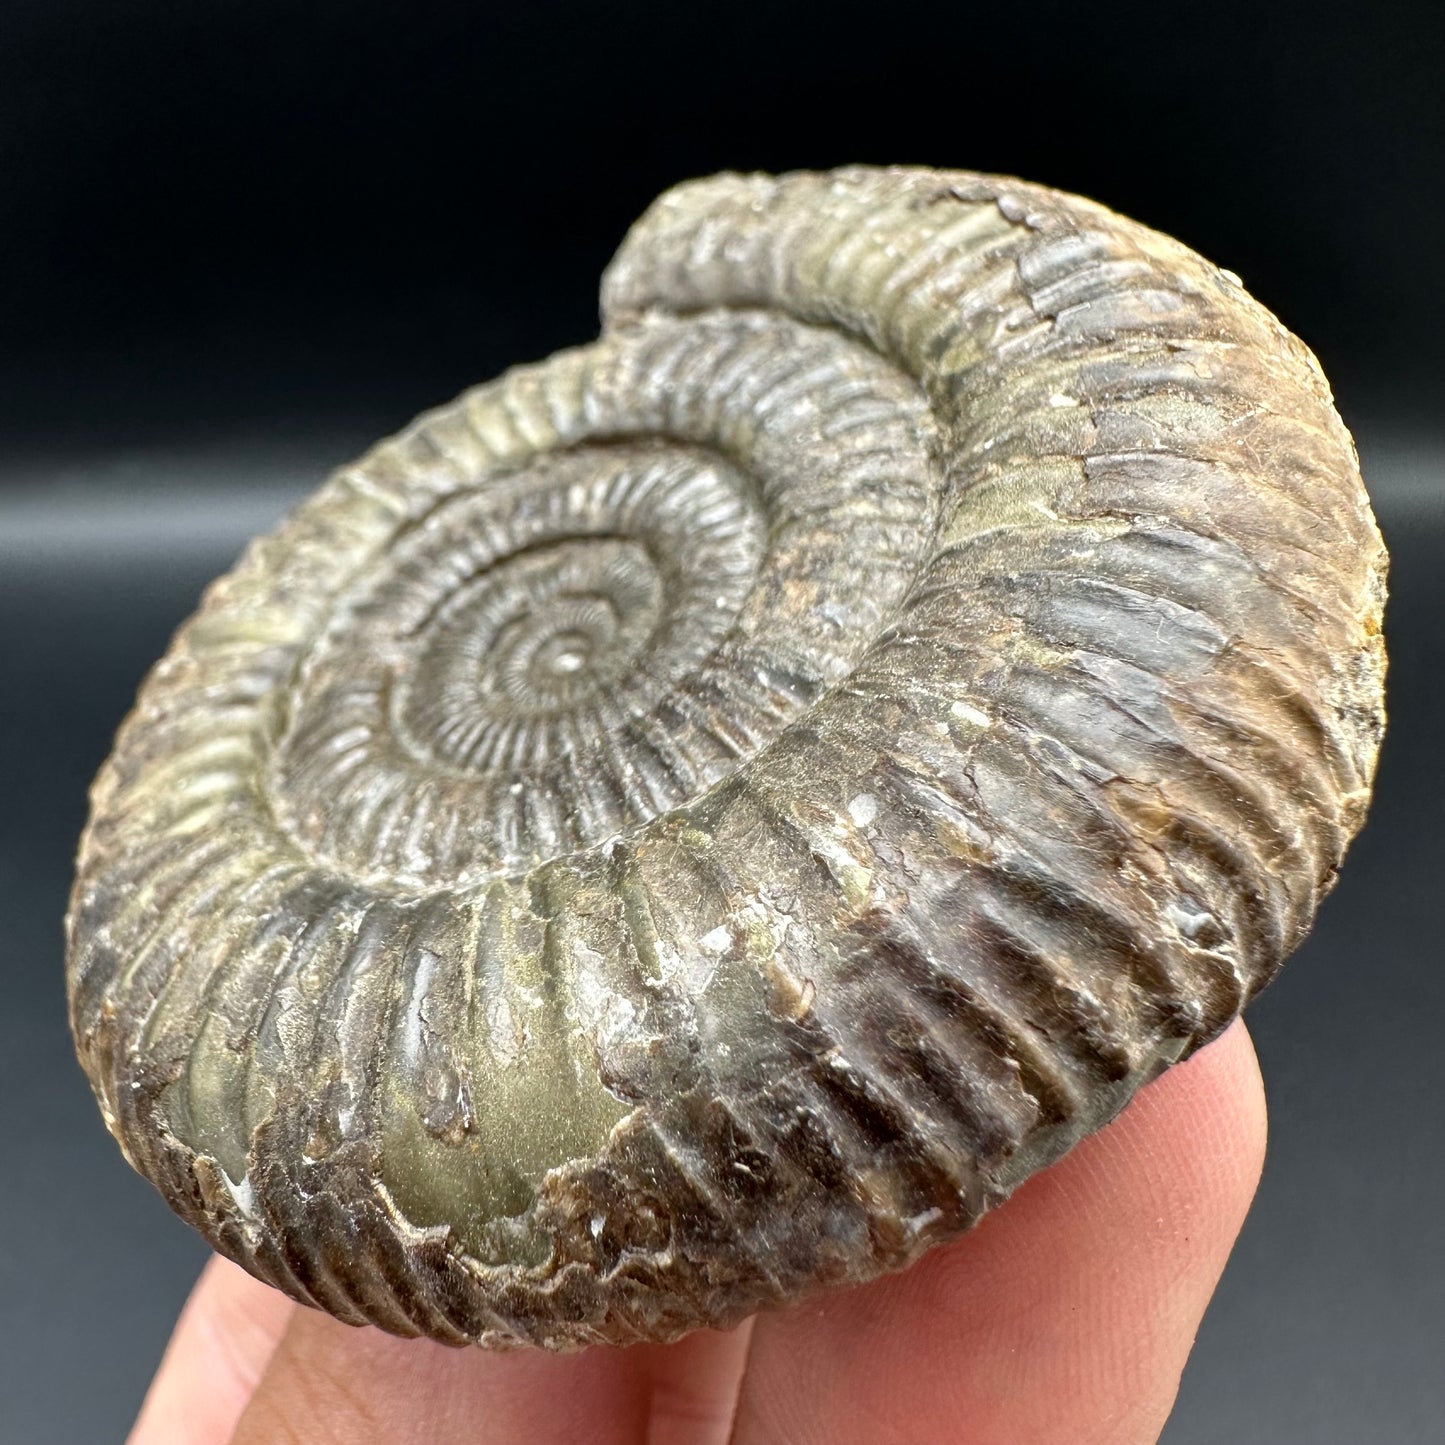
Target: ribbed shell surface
707 815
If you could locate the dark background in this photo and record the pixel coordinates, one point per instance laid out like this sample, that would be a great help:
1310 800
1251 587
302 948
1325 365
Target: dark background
240 241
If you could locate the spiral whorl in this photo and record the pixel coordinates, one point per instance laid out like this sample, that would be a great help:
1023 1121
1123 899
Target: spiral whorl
710 813
600 617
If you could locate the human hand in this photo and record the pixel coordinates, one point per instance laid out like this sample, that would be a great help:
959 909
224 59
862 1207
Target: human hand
1064 1318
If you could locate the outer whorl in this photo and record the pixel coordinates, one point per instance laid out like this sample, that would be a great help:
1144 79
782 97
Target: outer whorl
707 815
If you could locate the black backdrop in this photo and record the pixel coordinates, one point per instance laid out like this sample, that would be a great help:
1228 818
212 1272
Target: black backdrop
237 241
212 211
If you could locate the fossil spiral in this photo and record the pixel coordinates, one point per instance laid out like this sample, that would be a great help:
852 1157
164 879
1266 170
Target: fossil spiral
705 816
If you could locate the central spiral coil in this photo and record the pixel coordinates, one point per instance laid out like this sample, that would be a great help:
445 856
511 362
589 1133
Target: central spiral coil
709 814
604 622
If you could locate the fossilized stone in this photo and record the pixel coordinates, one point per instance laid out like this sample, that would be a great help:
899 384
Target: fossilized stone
705 816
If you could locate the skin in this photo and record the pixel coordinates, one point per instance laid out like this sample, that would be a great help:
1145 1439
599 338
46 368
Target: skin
1065 1318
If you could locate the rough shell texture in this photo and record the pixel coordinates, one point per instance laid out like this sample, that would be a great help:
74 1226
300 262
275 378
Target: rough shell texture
707 815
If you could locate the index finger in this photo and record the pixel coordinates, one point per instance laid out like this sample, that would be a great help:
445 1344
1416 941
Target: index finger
1065 1317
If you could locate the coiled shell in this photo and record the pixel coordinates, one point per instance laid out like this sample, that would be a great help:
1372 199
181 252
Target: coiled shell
707 815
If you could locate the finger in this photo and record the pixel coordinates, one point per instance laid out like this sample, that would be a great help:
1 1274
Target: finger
220 1348
329 1384
1063 1319
693 1397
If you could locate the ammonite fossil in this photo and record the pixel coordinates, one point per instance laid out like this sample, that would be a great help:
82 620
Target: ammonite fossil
707 815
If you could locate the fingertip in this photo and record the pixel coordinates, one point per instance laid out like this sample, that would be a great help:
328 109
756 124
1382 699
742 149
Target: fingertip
1180 1165
329 1384
1066 1315
221 1345
1210 1108
1149 1210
